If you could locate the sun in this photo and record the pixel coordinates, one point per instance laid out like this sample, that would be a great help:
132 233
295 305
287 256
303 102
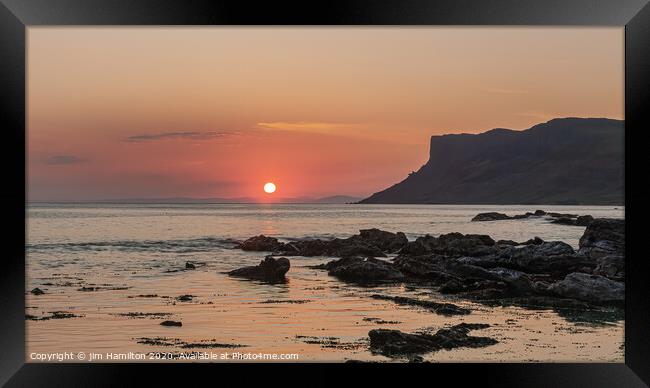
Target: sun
269 187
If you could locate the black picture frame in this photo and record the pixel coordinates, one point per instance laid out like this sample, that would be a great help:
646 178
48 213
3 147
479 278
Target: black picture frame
17 15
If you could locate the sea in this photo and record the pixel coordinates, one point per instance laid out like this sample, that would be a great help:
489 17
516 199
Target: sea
111 273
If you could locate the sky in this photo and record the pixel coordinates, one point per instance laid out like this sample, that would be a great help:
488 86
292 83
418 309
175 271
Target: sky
117 113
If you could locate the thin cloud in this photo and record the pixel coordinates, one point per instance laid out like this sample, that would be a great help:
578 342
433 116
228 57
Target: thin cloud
187 135
64 159
307 126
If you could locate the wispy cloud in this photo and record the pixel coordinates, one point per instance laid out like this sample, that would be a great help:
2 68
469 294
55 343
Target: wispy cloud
64 159
187 135
307 126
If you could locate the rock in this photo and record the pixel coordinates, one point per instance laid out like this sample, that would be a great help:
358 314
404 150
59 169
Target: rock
469 278
308 248
438 308
491 216
550 248
590 288
578 221
456 336
171 323
564 221
452 286
507 242
330 265
463 269
612 267
429 267
270 270
386 241
189 265
494 216
362 270
584 220
469 244
442 270
261 243
394 343
603 237
37 291
555 258
185 298
561 215
533 241
421 245
290 249
451 244
353 246
519 282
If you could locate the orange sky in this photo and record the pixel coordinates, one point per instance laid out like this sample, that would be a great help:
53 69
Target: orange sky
216 112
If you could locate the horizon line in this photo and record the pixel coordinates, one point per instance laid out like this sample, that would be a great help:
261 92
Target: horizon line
215 200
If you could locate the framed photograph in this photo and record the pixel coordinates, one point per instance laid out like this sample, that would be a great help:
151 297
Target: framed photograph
421 188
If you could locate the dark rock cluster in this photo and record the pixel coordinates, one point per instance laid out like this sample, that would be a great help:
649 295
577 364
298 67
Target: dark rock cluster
368 243
556 218
477 267
394 343
469 265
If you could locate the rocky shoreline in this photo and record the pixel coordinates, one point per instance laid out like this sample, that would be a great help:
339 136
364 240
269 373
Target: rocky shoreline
535 274
471 265
452 275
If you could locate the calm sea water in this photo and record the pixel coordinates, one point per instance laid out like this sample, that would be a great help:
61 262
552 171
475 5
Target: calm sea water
132 250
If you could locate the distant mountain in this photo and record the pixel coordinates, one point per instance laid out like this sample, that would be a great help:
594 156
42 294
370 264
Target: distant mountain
172 200
576 161
335 199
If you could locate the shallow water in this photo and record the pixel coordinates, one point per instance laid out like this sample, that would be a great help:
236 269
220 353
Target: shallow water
131 250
